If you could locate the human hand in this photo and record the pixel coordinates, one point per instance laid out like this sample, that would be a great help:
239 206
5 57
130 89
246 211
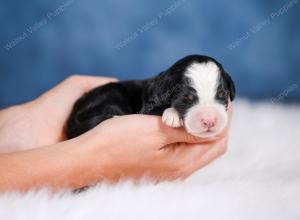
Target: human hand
41 121
133 146
127 146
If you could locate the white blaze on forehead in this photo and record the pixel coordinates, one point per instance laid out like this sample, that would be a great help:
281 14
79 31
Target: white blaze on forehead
204 78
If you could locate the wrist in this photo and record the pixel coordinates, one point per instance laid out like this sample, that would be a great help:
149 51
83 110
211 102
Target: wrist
102 155
93 156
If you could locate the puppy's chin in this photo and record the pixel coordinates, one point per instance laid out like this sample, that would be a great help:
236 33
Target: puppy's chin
205 134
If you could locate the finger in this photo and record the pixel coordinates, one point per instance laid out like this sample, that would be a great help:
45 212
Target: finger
90 82
185 152
185 159
230 109
165 133
202 158
181 135
61 98
75 86
177 158
181 160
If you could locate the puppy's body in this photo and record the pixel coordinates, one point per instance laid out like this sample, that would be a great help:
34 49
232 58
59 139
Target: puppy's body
193 93
103 103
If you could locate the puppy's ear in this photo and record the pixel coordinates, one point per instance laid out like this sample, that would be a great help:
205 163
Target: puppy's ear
230 86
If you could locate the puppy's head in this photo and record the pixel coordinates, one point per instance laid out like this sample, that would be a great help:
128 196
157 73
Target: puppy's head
202 102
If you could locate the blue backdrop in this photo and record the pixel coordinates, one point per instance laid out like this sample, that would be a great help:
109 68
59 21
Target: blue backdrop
42 42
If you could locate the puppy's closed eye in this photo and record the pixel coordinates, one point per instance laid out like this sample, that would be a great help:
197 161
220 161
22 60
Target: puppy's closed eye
191 97
222 94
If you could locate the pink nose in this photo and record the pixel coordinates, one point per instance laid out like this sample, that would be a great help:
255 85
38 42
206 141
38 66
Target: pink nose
208 122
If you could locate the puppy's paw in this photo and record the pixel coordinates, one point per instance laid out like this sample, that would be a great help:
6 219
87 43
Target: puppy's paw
171 118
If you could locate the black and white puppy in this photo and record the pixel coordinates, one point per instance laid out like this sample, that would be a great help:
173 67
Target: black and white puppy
193 93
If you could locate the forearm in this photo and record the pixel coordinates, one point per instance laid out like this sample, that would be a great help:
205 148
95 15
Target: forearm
64 165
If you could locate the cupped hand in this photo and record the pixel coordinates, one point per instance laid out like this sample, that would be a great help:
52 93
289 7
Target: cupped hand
134 146
41 122
127 146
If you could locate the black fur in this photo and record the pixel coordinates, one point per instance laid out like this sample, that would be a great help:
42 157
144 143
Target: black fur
151 96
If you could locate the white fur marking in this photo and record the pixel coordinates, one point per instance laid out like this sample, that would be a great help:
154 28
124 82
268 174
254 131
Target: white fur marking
204 78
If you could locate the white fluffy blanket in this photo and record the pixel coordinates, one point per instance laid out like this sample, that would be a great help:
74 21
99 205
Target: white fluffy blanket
258 178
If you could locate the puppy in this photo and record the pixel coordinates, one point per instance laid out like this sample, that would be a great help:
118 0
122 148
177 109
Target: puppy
193 93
